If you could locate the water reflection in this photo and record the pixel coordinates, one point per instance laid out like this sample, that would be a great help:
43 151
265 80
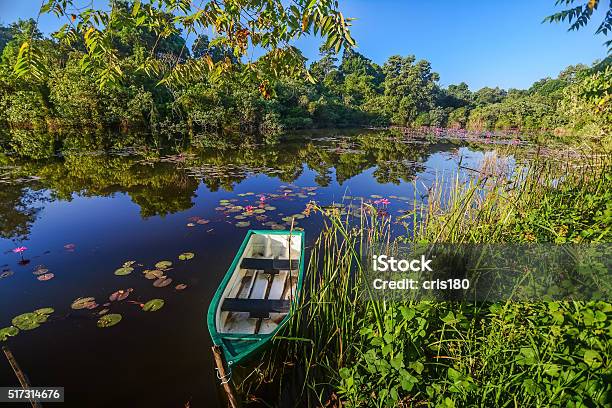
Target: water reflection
162 181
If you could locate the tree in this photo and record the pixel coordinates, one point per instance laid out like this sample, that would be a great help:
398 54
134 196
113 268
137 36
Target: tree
409 88
241 25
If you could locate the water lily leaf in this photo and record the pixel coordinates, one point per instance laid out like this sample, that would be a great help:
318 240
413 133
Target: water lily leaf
269 208
46 277
375 196
287 219
153 305
261 218
128 264
259 211
40 270
109 320
126 270
162 282
153 274
45 311
6 274
220 208
120 295
163 264
186 256
243 224
8 332
202 222
27 321
82 303
298 216
180 286
240 217
278 227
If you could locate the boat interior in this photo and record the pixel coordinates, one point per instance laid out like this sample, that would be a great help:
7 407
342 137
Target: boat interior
258 296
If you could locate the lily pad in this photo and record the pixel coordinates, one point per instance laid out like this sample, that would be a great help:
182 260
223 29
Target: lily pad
45 311
153 274
82 303
46 277
298 216
6 274
109 320
240 217
375 196
202 222
28 321
103 312
278 227
269 208
180 286
186 256
163 264
287 219
162 282
120 295
153 305
259 211
8 332
40 270
243 224
126 270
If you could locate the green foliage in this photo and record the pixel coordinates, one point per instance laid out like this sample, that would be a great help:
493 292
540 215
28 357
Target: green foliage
104 34
579 16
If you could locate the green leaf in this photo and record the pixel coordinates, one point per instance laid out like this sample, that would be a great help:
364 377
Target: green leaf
124 271
592 358
153 305
109 320
7 332
186 256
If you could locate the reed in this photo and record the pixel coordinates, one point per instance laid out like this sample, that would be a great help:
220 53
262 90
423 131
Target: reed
346 349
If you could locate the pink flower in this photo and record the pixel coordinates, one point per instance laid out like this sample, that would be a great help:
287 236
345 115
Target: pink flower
249 208
19 250
262 198
382 201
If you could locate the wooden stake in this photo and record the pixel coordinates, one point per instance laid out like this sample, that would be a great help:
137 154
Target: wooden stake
225 380
20 374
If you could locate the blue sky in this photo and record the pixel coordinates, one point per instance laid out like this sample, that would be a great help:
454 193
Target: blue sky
484 43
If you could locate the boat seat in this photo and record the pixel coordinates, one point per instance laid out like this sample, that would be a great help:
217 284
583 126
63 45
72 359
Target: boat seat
257 308
269 266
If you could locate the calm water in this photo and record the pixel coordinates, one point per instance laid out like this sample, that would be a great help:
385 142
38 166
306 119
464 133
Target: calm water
82 215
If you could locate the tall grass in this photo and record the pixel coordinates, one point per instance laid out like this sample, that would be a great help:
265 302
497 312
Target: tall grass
346 349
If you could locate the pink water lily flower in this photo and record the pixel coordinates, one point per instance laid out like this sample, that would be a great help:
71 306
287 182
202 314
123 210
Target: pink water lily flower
382 201
262 198
249 208
19 250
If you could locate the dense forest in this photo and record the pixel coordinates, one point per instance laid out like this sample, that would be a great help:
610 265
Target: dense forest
344 89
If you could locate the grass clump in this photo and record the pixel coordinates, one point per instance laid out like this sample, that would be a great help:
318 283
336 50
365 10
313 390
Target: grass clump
347 349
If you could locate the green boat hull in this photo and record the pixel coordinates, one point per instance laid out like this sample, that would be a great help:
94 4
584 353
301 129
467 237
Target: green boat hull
237 348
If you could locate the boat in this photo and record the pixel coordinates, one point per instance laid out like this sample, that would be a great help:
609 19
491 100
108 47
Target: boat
258 294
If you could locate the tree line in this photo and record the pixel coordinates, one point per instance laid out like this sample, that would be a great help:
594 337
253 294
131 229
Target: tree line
340 90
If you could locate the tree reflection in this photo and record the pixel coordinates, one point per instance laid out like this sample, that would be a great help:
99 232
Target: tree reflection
163 181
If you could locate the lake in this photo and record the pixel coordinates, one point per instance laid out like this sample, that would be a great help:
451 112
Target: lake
83 214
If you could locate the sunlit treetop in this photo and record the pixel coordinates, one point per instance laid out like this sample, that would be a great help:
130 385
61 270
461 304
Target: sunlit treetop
161 26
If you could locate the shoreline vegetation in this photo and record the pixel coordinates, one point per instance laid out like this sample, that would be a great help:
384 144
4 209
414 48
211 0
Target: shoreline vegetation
343 91
344 349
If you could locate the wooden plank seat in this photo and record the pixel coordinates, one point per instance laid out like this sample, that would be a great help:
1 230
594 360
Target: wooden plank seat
269 266
257 308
